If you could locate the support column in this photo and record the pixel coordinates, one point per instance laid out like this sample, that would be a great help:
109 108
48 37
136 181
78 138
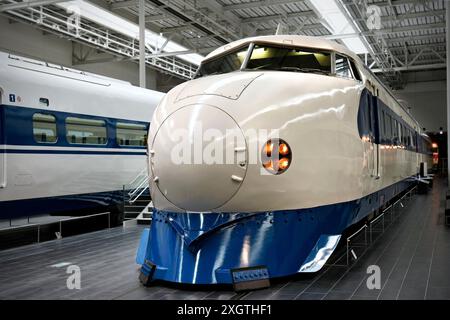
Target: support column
448 83
142 82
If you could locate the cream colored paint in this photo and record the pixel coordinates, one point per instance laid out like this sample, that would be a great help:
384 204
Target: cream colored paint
316 115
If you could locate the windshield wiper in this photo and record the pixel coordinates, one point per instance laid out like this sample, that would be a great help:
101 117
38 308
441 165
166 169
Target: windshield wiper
298 69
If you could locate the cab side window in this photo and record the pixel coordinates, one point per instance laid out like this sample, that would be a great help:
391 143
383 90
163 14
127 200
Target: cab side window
343 67
355 71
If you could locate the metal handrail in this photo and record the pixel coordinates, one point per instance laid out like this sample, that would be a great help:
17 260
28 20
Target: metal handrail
143 171
390 209
39 225
83 32
141 185
131 201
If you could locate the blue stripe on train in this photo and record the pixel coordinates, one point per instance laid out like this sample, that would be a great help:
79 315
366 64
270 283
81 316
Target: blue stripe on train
16 127
196 248
79 152
60 204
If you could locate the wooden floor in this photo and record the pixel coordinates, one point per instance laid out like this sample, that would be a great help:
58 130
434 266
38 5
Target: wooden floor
413 255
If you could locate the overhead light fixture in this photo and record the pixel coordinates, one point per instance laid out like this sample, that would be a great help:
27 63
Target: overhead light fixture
114 22
441 130
337 24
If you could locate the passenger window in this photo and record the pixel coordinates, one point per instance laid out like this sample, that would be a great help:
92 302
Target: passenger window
389 128
130 134
410 140
384 126
395 129
407 137
44 128
85 131
400 133
343 67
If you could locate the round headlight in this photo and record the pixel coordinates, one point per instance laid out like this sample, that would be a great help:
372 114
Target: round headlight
276 156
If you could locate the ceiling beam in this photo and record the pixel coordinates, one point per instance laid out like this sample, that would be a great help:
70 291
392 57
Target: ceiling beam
419 46
415 15
124 4
415 68
258 4
279 17
169 54
386 31
313 26
438 36
391 3
196 16
156 17
216 8
184 27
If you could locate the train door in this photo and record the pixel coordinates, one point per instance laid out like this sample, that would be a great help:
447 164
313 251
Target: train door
373 156
375 136
2 145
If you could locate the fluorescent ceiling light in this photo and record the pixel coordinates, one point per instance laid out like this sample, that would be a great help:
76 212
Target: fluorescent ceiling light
337 22
107 19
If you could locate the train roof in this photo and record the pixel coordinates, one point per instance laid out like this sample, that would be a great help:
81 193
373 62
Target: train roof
287 40
310 42
71 90
9 59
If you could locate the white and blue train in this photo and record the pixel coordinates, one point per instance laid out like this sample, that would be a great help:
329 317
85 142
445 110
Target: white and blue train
344 147
69 140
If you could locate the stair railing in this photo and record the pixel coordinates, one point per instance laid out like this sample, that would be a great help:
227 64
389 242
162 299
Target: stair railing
136 187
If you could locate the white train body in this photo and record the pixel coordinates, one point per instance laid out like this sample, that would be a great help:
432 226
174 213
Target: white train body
344 162
41 169
317 115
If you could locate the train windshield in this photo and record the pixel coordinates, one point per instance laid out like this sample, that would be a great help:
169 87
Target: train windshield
264 57
224 64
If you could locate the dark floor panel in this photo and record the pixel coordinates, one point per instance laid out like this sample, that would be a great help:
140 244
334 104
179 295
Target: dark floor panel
413 255
310 296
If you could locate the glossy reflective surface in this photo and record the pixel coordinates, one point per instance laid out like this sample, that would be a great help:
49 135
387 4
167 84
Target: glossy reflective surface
196 248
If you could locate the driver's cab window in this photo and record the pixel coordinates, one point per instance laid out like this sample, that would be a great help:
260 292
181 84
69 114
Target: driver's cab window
227 63
343 67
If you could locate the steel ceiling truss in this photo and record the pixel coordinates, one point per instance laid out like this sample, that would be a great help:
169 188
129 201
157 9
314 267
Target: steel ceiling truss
379 52
55 20
401 44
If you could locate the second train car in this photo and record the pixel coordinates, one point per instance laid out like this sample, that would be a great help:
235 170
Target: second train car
69 140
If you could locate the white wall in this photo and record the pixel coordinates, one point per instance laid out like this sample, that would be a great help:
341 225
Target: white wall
428 102
23 39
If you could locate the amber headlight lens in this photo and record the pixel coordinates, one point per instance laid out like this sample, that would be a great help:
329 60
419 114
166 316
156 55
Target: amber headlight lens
276 156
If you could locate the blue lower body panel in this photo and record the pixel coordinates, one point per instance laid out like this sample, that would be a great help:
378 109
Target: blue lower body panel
196 248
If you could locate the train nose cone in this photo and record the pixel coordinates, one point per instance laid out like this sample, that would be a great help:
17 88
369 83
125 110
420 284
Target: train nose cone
199 158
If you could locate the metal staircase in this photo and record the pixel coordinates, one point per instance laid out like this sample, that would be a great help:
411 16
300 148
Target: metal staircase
137 203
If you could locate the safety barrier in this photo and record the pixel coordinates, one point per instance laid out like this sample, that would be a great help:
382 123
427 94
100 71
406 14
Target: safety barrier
39 232
376 226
